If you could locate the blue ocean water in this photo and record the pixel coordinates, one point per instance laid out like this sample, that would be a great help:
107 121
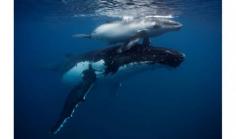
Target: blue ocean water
181 103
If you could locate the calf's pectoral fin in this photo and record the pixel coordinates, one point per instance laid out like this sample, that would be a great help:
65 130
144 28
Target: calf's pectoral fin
75 97
134 39
143 34
131 43
128 44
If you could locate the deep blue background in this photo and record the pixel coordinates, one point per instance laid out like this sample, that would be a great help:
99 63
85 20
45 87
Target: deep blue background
183 103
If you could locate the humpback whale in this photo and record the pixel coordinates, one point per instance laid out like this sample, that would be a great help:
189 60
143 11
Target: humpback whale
129 31
83 71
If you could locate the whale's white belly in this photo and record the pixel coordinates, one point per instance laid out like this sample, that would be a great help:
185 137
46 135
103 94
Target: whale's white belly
115 32
75 75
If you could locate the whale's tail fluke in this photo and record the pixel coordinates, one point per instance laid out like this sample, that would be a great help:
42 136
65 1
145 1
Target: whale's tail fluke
75 98
88 36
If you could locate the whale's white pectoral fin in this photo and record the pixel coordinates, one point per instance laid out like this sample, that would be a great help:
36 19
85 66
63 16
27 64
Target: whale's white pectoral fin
76 96
134 39
143 34
132 42
128 44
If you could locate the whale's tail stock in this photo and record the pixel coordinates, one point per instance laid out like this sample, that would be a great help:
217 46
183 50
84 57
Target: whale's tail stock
88 36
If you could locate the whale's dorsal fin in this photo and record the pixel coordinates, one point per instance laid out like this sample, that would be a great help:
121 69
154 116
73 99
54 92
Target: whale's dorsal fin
76 96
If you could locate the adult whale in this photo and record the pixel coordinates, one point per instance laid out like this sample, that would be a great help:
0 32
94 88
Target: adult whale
83 71
129 31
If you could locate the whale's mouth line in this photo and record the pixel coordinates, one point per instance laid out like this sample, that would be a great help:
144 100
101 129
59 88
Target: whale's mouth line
178 27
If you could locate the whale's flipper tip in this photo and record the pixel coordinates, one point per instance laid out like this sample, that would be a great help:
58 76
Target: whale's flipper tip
75 97
57 127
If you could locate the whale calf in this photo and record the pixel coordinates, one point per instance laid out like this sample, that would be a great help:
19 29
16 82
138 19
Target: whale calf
83 71
126 31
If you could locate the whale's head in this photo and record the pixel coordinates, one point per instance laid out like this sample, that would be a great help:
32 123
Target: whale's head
168 57
157 55
163 25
